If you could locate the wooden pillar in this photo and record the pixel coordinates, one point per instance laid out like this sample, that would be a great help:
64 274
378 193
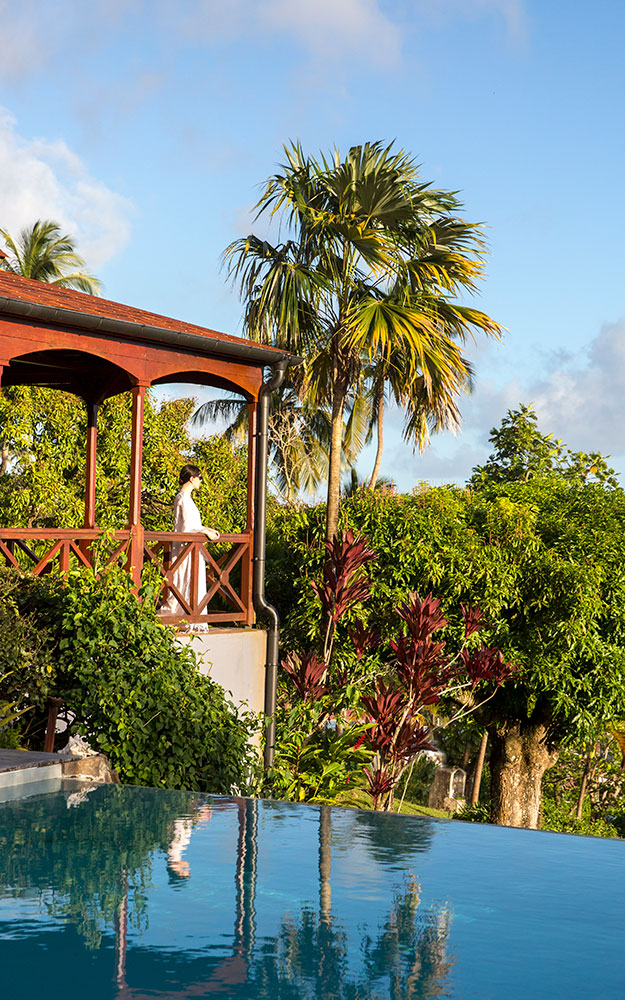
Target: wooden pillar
4 452
247 563
90 465
135 555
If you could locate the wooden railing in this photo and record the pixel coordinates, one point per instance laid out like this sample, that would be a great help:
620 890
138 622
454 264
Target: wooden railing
179 559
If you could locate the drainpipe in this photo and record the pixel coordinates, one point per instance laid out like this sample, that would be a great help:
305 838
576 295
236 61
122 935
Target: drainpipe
261 606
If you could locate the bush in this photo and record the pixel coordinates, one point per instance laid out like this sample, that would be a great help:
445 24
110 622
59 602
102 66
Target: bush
558 819
136 693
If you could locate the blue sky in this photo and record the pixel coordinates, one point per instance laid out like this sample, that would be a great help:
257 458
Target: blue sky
146 126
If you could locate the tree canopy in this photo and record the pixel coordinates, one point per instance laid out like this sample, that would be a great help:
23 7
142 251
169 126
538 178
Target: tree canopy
45 253
544 561
370 269
521 452
43 432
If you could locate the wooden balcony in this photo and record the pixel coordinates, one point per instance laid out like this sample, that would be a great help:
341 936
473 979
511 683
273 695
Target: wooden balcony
226 565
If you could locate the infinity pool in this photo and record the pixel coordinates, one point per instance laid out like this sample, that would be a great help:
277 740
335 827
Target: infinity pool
137 893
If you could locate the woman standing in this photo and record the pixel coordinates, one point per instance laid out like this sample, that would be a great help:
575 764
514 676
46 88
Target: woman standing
187 518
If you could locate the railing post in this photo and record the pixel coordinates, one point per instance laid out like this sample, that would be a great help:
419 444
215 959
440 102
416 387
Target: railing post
135 555
247 560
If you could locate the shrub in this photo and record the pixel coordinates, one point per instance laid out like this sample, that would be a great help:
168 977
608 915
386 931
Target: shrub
136 694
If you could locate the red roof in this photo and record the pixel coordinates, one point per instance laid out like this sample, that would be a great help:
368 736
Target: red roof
13 286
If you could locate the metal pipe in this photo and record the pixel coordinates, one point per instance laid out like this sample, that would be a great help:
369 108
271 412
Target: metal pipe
261 606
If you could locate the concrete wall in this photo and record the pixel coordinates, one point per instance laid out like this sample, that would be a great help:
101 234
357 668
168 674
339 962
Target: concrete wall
235 659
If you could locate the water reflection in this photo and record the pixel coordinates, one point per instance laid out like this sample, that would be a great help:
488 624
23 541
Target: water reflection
97 865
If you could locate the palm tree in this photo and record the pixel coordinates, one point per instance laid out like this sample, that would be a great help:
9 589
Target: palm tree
372 262
428 410
299 435
43 252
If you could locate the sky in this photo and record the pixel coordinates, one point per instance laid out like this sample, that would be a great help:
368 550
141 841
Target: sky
146 127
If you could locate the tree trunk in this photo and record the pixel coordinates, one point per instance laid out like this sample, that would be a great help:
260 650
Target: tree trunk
519 757
477 774
336 453
380 430
583 786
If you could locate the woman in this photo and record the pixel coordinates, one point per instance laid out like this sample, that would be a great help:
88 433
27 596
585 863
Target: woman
187 518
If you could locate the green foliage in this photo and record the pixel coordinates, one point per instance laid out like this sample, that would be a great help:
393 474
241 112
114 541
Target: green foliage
137 694
314 763
543 559
10 712
558 819
27 668
521 453
479 813
419 781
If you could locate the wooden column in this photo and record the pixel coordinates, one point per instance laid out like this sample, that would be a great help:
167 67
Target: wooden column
4 453
90 466
135 555
246 565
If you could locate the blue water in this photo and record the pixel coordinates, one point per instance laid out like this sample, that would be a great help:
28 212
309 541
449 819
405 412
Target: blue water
137 893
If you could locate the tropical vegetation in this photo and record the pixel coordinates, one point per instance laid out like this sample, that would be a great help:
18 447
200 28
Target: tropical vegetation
365 287
44 252
129 685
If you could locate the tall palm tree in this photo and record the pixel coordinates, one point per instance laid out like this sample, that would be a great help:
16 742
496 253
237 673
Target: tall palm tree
372 261
43 252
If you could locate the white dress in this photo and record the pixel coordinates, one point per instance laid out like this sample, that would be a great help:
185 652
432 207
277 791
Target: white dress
187 518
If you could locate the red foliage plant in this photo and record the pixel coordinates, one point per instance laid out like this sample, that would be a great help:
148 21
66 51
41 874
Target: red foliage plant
474 619
363 639
306 672
380 783
424 672
342 588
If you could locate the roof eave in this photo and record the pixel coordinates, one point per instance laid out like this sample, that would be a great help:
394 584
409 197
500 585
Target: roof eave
202 344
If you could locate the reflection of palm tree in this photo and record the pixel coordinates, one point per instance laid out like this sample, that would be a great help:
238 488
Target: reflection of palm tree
233 971
407 960
325 864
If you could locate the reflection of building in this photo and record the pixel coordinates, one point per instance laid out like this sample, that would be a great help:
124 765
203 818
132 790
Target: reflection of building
233 970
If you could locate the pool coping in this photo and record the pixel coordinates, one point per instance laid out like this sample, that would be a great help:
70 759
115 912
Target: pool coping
23 767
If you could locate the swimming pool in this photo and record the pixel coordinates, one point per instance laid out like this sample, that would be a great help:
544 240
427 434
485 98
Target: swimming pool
130 893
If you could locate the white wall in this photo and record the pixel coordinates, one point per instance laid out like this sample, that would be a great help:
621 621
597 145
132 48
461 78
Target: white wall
235 659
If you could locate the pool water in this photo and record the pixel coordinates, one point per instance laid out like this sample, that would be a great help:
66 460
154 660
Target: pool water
137 893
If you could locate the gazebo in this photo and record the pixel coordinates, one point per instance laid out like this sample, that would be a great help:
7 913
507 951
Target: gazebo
64 339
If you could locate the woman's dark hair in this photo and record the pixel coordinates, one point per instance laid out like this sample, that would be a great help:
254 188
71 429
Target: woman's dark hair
187 472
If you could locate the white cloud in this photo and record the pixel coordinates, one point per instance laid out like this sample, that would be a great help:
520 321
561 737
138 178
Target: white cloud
42 179
511 12
584 403
327 29
577 397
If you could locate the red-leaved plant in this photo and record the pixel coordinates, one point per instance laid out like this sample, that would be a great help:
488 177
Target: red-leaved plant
344 585
421 670
422 673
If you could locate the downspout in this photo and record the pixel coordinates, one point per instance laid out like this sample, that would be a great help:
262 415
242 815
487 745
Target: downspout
261 606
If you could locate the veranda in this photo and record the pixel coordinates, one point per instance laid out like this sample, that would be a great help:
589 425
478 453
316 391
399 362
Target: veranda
78 343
